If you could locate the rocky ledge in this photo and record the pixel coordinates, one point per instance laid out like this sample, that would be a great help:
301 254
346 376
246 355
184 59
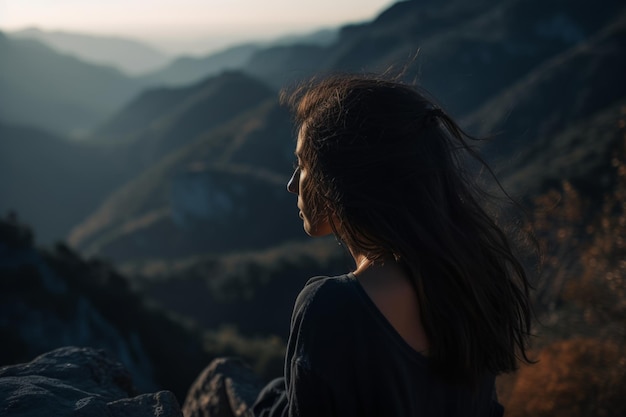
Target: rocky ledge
78 382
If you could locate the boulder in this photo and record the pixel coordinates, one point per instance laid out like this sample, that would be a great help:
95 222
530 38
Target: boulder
83 382
226 388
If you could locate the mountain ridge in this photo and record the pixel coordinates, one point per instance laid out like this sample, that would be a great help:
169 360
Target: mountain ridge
130 56
41 172
215 150
57 92
580 65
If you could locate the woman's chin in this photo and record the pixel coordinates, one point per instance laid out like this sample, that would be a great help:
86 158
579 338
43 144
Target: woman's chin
307 228
316 231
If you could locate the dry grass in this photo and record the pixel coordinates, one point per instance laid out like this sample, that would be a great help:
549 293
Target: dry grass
581 348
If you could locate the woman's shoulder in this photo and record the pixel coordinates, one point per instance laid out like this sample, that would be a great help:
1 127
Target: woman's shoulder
326 297
325 319
323 288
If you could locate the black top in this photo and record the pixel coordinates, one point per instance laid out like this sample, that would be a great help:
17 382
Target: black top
345 359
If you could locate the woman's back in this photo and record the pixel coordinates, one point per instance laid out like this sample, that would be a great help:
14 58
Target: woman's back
345 359
391 291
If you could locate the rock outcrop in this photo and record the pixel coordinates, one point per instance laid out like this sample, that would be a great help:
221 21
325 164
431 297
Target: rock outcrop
226 388
78 382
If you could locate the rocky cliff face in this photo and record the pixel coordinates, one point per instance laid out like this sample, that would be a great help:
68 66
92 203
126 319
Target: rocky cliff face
78 382
85 382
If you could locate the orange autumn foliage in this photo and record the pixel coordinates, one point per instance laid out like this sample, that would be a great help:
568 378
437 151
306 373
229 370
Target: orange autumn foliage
581 343
573 378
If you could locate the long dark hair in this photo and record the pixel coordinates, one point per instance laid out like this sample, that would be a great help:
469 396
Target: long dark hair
390 168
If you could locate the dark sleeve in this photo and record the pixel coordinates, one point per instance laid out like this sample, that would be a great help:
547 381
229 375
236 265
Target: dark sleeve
306 396
497 410
271 400
302 392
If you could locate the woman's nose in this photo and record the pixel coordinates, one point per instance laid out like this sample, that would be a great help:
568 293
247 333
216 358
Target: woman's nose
292 185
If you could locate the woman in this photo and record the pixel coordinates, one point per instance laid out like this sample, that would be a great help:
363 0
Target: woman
437 304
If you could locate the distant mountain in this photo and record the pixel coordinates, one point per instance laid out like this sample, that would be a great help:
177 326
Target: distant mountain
223 191
186 70
392 38
209 156
163 120
581 153
55 183
569 87
52 182
321 37
199 157
463 52
42 88
130 56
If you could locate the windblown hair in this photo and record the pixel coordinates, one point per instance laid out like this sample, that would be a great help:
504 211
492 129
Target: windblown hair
389 173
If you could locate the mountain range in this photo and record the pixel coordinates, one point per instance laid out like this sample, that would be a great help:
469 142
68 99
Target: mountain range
130 56
45 89
71 83
496 64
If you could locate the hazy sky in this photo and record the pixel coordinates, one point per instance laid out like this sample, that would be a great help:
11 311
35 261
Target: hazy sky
182 25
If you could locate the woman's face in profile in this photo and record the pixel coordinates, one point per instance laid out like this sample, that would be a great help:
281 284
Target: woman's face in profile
296 185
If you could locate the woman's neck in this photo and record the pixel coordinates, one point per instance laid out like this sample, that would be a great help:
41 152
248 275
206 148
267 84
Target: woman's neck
365 263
